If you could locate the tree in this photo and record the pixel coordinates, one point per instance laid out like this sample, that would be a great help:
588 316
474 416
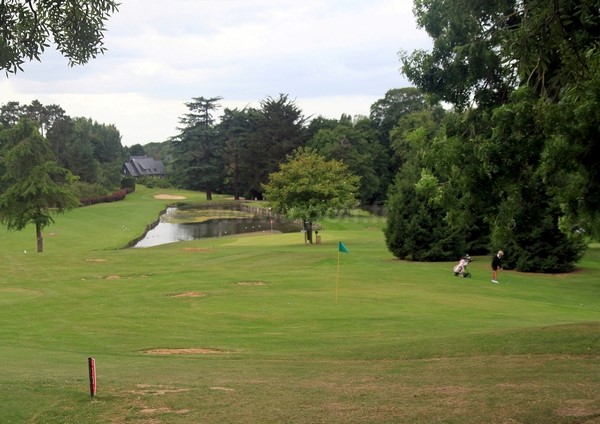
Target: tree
10 114
419 225
278 129
36 187
397 102
308 187
137 150
466 63
357 145
416 227
525 73
75 26
197 151
236 130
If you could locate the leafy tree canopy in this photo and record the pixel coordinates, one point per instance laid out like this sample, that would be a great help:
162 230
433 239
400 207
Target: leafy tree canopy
197 151
308 187
35 186
76 27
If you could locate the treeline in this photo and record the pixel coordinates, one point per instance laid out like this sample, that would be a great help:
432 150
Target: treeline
235 150
516 164
91 151
454 181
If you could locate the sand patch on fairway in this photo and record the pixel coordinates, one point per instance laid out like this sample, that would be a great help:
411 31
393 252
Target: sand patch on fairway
188 294
96 260
168 197
223 389
251 283
112 277
186 351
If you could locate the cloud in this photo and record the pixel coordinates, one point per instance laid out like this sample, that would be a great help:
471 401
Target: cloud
327 54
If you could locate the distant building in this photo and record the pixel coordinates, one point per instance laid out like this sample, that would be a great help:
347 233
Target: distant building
143 166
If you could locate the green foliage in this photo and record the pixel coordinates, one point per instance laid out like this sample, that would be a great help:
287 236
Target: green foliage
422 225
237 131
308 187
197 151
571 157
278 129
36 187
82 189
357 145
76 27
137 150
465 64
128 183
90 150
417 227
386 112
528 218
155 182
531 237
521 68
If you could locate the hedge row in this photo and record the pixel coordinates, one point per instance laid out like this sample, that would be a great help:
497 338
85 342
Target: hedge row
113 197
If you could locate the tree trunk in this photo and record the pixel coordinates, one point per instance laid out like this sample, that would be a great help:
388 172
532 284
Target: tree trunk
208 194
40 238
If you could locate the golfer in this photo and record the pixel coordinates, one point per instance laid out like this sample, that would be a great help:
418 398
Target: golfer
496 265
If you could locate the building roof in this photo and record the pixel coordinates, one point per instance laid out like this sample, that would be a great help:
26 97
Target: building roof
139 166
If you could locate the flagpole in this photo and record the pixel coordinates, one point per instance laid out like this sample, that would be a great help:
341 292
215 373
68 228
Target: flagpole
337 278
341 248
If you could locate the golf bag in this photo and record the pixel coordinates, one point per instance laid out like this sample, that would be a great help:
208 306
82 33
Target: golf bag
460 269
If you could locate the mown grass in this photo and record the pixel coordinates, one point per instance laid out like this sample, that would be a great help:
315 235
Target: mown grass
405 342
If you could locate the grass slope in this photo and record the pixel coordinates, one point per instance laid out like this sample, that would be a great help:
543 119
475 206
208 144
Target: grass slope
405 342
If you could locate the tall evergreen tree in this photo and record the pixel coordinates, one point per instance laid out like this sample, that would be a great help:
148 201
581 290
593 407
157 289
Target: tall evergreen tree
35 186
236 129
198 151
280 129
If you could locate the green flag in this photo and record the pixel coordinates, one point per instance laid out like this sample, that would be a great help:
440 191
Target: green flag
342 248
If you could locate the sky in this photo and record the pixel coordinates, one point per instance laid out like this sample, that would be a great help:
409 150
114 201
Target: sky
330 57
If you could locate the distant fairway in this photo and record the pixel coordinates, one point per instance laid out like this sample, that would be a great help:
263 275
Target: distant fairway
246 329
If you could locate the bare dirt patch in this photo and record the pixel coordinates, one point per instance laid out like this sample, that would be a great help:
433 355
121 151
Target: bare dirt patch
163 411
186 351
112 277
252 283
147 389
578 408
188 294
96 260
168 197
224 389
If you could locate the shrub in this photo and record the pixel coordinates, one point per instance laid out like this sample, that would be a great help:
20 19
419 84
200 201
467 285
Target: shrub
113 197
82 189
128 183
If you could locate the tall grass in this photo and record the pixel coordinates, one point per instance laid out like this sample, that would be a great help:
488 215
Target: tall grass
405 342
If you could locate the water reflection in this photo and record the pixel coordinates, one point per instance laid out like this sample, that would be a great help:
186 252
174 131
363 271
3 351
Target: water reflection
167 232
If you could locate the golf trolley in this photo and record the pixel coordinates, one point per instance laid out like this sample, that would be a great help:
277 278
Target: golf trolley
460 269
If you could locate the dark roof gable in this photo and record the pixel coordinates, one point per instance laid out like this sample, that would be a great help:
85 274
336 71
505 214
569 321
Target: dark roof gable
139 166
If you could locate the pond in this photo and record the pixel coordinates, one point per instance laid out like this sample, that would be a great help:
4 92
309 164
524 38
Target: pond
183 224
